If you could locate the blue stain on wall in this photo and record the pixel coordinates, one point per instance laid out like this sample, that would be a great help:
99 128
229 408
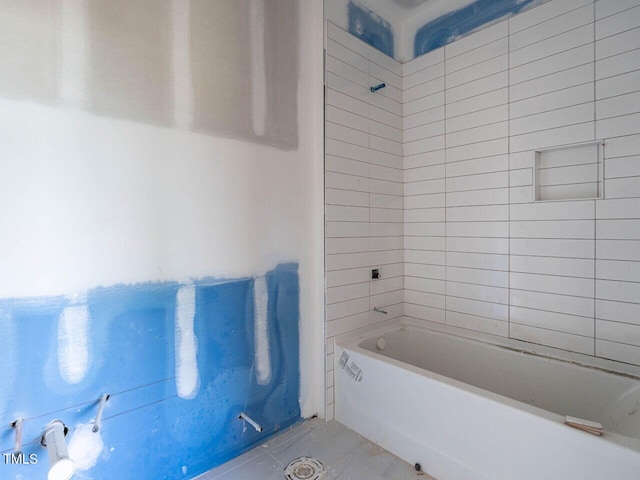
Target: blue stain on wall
370 28
452 26
148 430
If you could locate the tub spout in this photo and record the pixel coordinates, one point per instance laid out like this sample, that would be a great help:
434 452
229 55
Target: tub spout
379 310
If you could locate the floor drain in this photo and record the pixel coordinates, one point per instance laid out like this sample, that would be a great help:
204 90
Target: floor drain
305 468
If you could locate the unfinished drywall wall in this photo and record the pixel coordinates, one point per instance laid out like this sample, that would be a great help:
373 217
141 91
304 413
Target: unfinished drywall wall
132 199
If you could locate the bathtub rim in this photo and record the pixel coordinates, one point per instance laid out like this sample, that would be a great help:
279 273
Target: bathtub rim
352 340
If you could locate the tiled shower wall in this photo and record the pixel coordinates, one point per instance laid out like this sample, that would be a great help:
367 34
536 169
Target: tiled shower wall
364 189
480 254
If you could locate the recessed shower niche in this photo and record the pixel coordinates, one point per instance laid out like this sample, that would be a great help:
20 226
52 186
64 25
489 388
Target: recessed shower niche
570 172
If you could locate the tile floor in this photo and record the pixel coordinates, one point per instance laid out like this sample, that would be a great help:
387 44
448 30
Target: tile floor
347 456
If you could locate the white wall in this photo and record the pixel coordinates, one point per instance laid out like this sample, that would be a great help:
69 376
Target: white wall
88 200
363 189
480 256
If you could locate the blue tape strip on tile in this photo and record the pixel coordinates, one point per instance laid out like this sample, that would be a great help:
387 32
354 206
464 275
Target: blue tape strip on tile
370 28
450 27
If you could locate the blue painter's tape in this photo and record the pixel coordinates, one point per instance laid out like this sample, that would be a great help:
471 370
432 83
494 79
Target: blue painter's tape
148 430
370 28
450 27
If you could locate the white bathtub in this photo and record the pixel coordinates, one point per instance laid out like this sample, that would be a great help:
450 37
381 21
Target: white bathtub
466 410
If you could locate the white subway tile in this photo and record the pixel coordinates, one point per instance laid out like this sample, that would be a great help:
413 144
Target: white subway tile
472 213
622 167
522 194
347 229
605 8
581 94
424 187
477 103
384 187
427 299
551 46
617 106
622 146
480 261
616 44
427 214
423 89
424 159
567 135
477 55
478 292
350 307
425 145
618 85
620 22
618 229
346 134
618 270
559 322
346 261
577 287
347 56
422 62
339 213
618 291
422 118
383 229
346 166
388 257
384 75
341 36
385 131
347 292
478 134
553 247
553 229
478 165
618 311
385 215
564 341
386 285
570 267
496 114
379 172
479 324
426 257
478 245
380 200
552 64
347 182
490 148
427 74
542 13
427 102
436 272
618 351
478 87
552 27
346 245
424 131
337 278
521 177
425 229
385 117
478 182
425 285
343 74
618 208
491 278
575 210
385 145
431 202
477 39
345 102
418 174
348 119
479 70
618 250
551 302
424 313
494 196
385 243
478 229
496 311
346 197
385 61
618 64
623 187
554 82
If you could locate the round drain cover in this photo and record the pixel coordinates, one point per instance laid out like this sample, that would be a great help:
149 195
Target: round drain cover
305 468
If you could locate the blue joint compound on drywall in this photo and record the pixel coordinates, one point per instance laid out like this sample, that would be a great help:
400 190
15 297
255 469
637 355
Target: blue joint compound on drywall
148 430
450 27
370 28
